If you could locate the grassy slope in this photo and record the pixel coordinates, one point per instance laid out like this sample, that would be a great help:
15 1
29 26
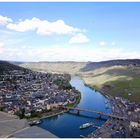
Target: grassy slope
114 80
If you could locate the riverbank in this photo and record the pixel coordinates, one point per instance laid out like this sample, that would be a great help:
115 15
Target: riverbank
77 101
56 112
11 123
102 129
118 128
104 93
88 100
13 127
111 126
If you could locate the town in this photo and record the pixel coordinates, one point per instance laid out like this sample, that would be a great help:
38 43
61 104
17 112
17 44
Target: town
117 128
33 95
27 93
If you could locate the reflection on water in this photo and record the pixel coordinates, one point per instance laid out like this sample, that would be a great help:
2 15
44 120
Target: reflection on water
67 125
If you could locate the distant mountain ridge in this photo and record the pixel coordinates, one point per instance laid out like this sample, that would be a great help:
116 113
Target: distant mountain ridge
83 66
95 65
73 67
114 77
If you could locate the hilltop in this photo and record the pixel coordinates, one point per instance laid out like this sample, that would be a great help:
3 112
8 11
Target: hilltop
114 77
95 65
7 66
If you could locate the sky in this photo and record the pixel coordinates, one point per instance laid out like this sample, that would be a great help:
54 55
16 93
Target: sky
69 31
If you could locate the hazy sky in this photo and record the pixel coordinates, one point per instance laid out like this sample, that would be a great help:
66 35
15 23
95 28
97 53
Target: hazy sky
69 31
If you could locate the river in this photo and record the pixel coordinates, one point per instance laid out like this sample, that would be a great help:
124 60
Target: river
67 124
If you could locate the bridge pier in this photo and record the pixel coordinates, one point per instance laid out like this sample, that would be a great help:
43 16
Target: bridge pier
78 112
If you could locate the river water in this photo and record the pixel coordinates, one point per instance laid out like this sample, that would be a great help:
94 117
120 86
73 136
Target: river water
67 125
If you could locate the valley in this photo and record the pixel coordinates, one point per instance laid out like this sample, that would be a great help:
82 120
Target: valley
115 77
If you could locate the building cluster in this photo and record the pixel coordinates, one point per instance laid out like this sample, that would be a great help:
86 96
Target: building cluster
131 111
121 128
27 92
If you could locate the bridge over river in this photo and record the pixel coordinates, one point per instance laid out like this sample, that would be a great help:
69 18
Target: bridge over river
91 101
97 112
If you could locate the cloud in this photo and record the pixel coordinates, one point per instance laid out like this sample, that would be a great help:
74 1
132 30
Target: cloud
57 27
46 28
71 53
4 20
43 27
78 39
102 43
25 25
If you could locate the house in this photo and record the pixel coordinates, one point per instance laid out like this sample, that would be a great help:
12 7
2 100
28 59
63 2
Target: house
11 112
1 97
38 110
137 110
8 96
54 105
27 114
48 107
134 124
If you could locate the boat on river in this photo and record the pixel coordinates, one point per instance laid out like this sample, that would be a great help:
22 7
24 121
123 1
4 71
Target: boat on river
88 99
34 122
86 125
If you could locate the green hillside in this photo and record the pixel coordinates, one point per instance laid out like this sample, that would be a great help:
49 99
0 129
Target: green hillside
112 78
117 81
